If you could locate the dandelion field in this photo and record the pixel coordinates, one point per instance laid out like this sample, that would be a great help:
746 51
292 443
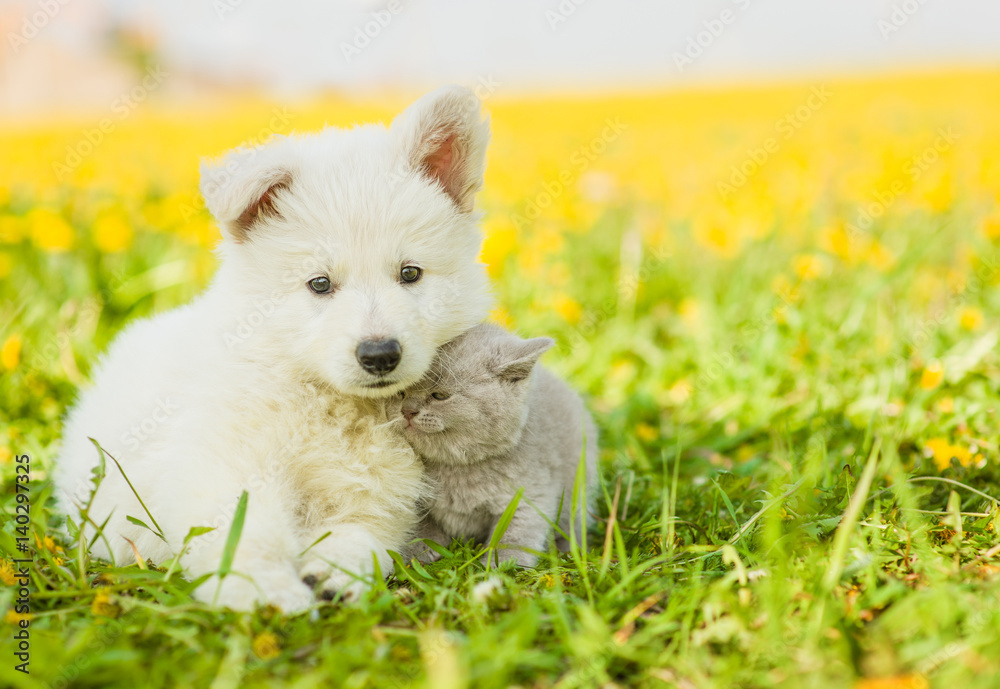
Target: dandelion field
781 301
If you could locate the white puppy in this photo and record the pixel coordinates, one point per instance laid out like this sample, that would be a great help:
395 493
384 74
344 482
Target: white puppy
348 257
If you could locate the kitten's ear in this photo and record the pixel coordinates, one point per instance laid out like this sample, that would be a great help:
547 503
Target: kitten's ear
240 188
444 137
521 356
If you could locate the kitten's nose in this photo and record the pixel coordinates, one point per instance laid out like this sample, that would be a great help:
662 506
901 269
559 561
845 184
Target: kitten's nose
379 356
409 413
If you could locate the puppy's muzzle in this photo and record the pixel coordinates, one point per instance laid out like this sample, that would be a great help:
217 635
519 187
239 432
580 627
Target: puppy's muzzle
379 356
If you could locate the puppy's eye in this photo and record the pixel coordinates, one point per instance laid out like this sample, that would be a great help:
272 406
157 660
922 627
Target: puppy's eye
440 395
410 273
320 285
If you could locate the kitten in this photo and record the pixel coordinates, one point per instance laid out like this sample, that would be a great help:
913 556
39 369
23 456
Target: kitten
486 421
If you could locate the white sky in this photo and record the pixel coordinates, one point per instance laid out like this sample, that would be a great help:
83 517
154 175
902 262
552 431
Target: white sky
296 44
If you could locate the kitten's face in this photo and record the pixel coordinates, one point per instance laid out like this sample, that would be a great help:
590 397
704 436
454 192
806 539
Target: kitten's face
473 402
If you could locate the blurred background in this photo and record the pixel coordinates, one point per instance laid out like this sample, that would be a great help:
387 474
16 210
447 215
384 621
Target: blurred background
692 197
82 53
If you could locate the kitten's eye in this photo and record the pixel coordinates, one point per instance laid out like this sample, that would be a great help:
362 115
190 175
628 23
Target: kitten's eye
321 285
402 395
440 395
410 273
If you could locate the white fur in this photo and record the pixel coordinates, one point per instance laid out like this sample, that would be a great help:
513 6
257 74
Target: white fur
255 385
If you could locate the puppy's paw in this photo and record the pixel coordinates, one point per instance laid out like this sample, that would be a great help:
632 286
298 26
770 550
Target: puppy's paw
342 564
243 592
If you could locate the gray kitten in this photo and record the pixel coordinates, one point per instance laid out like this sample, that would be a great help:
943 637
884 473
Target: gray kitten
486 421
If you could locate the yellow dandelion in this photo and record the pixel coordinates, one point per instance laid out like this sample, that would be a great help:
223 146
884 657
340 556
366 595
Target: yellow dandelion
836 240
547 580
680 392
945 405
7 573
690 312
5 455
932 376
104 606
621 372
200 231
647 432
880 257
266 646
500 241
970 318
14 618
10 353
782 286
941 196
810 267
910 681
991 227
112 233
718 240
501 317
567 307
11 229
50 231
943 452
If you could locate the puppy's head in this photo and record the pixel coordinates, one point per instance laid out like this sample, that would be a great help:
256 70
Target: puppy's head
357 249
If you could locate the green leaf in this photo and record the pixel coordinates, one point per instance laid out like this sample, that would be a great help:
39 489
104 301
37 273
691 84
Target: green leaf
504 522
233 539
196 531
139 522
158 531
315 543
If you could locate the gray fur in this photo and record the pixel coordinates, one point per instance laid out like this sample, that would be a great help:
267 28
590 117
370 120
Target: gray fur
506 424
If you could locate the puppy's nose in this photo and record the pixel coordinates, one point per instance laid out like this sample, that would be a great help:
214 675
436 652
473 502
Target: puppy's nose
379 356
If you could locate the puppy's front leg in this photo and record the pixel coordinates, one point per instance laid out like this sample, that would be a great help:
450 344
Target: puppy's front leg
343 562
263 568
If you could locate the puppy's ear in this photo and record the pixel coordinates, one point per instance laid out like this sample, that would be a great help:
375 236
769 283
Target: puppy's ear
243 187
520 356
444 137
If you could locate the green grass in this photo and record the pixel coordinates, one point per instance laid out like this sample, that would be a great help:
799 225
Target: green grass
769 514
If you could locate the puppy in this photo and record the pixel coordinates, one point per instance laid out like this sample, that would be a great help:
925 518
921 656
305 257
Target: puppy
348 257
